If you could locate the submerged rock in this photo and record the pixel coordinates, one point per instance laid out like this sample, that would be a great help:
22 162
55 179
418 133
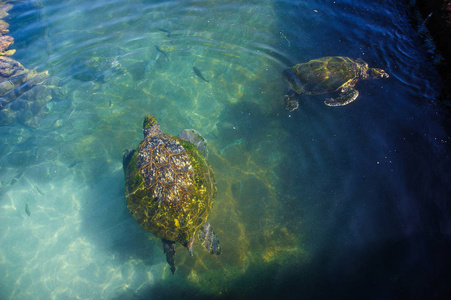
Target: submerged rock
4 8
24 94
4 27
436 15
96 69
5 42
170 188
30 102
9 66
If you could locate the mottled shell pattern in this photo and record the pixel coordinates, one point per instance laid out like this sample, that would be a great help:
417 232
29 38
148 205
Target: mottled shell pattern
170 186
326 74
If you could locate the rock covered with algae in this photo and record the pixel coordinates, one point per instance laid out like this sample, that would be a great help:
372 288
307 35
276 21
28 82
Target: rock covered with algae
24 93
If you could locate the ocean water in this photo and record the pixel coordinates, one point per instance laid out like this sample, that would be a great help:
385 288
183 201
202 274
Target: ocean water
347 202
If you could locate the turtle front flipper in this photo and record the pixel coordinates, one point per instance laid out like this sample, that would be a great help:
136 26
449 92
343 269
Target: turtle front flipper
346 97
169 250
127 155
194 137
209 239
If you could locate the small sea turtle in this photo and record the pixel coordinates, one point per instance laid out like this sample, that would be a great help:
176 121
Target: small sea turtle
170 188
326 75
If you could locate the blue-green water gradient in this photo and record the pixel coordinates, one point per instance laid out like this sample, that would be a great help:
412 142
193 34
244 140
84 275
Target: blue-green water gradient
319 203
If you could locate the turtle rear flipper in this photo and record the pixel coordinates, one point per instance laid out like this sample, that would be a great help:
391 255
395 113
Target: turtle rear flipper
169 250
209 240
345 98
189 246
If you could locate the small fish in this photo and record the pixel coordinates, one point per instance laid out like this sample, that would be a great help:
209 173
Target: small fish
39 190
236 189
151 63
162 52
27 208
199 74
165 31
79 162
16 178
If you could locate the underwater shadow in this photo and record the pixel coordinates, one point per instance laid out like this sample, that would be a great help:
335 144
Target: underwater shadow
109 225
416 267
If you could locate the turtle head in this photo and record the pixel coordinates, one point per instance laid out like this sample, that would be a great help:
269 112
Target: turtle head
149 121
377 73
151 126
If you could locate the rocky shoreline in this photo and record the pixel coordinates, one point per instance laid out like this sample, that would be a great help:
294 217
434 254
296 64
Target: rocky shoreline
436 16
24 93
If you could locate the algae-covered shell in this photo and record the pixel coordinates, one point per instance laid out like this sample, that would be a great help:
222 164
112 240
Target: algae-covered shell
170 187
324 75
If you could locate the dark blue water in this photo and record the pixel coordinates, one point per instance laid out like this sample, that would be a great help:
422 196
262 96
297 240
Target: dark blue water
319 203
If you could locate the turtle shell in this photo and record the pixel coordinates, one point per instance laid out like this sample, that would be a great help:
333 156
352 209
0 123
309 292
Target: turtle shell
170 187
323 75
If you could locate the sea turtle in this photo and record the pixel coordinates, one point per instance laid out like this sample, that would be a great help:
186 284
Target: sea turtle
326 75
170 188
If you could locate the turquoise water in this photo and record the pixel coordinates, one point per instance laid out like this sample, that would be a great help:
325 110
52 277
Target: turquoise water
322 202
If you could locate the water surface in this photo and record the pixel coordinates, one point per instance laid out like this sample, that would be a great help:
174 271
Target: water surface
323 202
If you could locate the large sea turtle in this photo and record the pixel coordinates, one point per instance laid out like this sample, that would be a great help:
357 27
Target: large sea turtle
326 75
170 188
